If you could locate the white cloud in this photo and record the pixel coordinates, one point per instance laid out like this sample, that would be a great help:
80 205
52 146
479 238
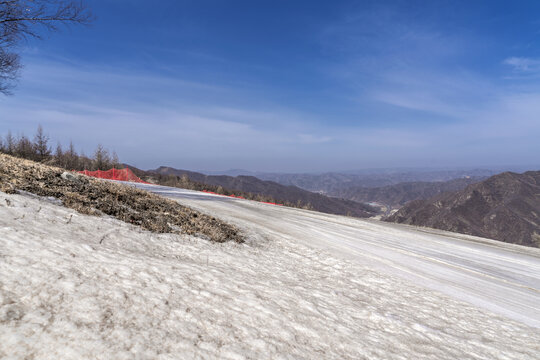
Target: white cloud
314 139
150 120
523 64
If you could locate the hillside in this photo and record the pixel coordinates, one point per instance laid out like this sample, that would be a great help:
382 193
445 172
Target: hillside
96 197
281 193
395 196
504 207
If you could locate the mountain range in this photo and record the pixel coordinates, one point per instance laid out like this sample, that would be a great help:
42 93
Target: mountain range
397 195
280 193
504 207
333 183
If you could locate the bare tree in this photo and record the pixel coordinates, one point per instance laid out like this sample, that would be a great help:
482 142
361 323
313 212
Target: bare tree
72 159
24 148
84 162
10 143
115 162
41 145
102 160
9 70
60 156
22 19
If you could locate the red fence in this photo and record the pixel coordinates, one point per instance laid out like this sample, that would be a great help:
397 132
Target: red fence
239 197
114 174
128 175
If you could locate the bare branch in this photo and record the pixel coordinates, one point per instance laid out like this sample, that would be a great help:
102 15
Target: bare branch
20 19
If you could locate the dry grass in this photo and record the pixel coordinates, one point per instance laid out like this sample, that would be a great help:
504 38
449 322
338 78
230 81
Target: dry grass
96 197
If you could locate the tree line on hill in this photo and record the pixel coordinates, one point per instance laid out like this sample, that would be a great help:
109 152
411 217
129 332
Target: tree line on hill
38 149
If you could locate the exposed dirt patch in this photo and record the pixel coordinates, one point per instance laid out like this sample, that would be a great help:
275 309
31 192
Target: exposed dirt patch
96 197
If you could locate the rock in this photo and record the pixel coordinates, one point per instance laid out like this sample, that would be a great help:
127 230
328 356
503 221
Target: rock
66 175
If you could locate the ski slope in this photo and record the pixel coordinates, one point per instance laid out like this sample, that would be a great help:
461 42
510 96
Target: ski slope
500 277
74 286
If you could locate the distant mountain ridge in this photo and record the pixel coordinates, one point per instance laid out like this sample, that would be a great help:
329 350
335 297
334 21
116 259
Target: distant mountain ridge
504 207
395 196
333 183
291 194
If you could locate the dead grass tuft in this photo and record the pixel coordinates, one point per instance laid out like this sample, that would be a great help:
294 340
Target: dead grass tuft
95 197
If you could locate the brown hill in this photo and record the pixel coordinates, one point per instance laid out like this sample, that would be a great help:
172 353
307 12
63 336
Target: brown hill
395 196
504 207
281 193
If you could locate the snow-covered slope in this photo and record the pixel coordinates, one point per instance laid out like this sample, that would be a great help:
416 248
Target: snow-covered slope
74 286
501 277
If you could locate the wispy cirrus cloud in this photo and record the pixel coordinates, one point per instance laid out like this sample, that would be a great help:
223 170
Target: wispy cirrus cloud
523 64
314 139
435 101
151 120
375 85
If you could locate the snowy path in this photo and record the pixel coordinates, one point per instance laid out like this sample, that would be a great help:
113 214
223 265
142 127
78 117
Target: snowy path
500 277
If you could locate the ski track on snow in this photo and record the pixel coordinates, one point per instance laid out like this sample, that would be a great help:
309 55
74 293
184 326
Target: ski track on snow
77 287
503 278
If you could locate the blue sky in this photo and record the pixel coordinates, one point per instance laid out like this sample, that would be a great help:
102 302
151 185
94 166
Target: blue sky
290 85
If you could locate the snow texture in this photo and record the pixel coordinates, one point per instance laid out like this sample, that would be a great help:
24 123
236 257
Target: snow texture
497 276
78 287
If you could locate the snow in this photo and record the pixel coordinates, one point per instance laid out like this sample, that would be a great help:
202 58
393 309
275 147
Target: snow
499 277
74 286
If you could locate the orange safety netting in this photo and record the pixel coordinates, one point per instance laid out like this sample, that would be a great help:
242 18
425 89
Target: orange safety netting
128 175
114 174
239 197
